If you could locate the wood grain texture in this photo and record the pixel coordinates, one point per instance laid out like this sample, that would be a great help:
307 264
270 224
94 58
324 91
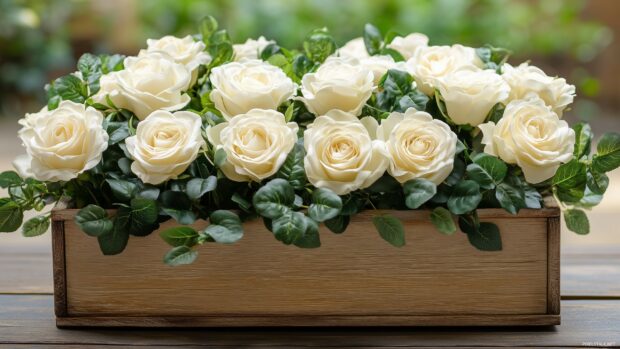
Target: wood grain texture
28 320
553 265
355 274
59 266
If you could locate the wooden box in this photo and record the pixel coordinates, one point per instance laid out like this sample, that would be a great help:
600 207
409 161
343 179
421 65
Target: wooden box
353 279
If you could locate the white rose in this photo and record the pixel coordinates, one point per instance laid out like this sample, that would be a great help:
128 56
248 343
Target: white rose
251 49
184 51
527 81
470 95
407 45
147 83
532 136
433 62
355 48
61 143
256 144
239 87
165 144
419 146
379 65
342 154
341 84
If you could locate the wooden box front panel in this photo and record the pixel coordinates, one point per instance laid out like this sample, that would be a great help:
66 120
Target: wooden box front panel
352 274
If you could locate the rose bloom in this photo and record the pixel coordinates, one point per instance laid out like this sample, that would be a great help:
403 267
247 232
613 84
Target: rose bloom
418 146
256 144
251 48
379 65
433 62
148 83
532 136
184 51
61 143
165 144
528 81
355 48
239 87
407 45
341 153
470 94
342 84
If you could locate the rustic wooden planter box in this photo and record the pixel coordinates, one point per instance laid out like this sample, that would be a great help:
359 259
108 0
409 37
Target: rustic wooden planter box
353 279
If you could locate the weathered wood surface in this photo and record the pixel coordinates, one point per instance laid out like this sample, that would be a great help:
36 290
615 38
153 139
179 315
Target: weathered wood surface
29 319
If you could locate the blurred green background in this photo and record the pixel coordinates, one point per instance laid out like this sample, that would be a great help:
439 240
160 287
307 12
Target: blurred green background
41 40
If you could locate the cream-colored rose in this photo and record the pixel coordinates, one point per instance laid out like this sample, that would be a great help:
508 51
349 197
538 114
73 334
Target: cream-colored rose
148 83
470 94
419 146
184 51
239 87
355 48
165 144
407 45
527 81
433 62
532 136
251 48
256 144
61 143
379 65
342 84
342 154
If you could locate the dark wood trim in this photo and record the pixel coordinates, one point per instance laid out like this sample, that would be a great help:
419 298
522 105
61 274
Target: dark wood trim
308 321
58 257
553 265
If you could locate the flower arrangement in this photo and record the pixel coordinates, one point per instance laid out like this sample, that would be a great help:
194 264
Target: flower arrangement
198 128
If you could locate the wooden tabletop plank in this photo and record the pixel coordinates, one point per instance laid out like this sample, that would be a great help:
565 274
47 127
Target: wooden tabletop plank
29 319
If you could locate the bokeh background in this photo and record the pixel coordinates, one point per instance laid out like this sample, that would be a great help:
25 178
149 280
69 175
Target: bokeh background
576 39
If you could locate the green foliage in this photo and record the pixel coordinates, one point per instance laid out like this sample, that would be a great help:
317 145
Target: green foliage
607 156
583 139
293 168
482 235
319 45
94 221
465 197
418 192
274 199
197 187
442 220
180 236
225 227
391 229
325 205
577 221
36 226
11 216
180 255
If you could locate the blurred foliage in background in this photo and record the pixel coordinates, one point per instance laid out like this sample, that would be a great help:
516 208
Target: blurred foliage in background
40 40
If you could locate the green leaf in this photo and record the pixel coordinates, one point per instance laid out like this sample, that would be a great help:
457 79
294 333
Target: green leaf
311 237
180 255
144 215
397 82
9 178
197 187
418 191
121 189
70 88
220 157
511 198
493 166
486 238
457 173
94 221
442 220
36 226
115 241
372 39
293 168
607 156
325 205
184 217
531 196
577 221
391 229
225 227
338 224
90 67
319 45
414 99
465 197
274 199
570 175
208 26
476 173
118 131
180 236
583 139
11 216
111 63
289 227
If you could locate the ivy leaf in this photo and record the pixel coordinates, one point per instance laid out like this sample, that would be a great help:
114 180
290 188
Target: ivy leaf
607 156
325 205
577 221
93 220
418 191
225 227
11 216
289 227
9 178
36 226
465 197
442 220
583 139
510 198
180 236
180 255
338 224
292 170
372 39
197 187
274 199
391 229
